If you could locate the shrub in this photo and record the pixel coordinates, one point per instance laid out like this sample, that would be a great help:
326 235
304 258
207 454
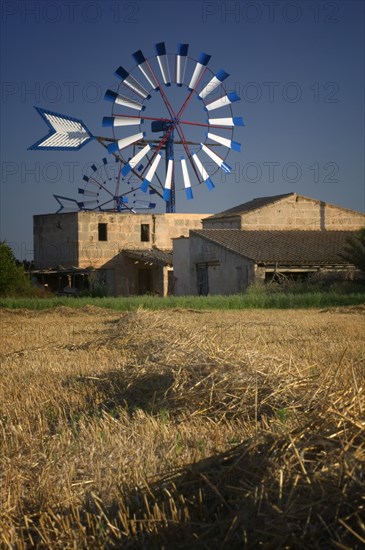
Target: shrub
13 279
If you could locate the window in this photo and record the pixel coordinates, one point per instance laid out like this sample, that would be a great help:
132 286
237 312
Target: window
102 231
145 232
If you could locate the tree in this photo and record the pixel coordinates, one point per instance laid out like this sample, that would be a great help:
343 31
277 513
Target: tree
13 279
354 251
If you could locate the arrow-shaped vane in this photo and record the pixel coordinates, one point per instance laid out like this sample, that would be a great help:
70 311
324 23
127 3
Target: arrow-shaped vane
66 133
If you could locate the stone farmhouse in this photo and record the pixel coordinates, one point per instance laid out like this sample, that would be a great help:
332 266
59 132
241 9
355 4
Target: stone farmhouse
130 254
125 253
284 235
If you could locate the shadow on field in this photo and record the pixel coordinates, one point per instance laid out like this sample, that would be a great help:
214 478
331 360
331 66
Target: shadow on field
111 390
253 496
210 390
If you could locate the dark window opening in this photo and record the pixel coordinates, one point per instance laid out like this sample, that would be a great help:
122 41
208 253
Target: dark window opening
145 232
102 231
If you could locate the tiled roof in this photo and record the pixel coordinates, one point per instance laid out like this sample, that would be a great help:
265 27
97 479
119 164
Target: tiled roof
152 255
284 247
254 204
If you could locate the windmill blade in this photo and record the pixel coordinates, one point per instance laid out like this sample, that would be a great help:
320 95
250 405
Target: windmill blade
214 83
119 99
87 193
133 162
234 145
181 59
151 172
168 181
199 68
144 204
145 69
228 121
223 101
131 83
216 158
112 121
125 142
163 63
66 133
88 205
186 178
203 172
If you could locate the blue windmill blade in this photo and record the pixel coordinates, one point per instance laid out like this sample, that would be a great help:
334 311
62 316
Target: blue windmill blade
129 81
163 62
135 160
200 66
66 133
144 205
186 178
216 158
234 145
168 180
151 172
228 99
145 69
181 59
216 81
204 174
226 121
119 99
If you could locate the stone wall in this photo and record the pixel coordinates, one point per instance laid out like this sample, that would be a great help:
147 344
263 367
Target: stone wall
292 212
124 231
55 240
223 223
226 272
297 212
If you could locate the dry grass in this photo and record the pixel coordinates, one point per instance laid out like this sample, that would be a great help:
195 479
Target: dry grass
181 429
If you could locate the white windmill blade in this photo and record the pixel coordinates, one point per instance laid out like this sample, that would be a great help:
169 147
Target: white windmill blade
87 192
163 62
234 145
145 69
204 174
216 158
181 59
214 83
66 133
202 62
88 205
222 101
115 121
140 204
118 99
132 83
136 159
168 181
151 172
186 178
124 142
227 121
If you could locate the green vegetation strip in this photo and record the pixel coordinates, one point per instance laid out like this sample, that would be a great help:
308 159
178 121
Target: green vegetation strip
243 301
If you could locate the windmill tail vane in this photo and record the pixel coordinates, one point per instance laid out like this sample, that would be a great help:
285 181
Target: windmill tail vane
131 145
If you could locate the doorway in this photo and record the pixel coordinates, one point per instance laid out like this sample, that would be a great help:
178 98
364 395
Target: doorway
202 280
144 281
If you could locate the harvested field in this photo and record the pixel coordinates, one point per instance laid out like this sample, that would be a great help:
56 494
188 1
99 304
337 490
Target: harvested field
182 429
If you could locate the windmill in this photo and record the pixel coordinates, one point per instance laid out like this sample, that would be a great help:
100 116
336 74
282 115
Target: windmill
163 86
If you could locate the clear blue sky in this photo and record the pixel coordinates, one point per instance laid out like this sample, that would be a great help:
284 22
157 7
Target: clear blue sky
298 67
